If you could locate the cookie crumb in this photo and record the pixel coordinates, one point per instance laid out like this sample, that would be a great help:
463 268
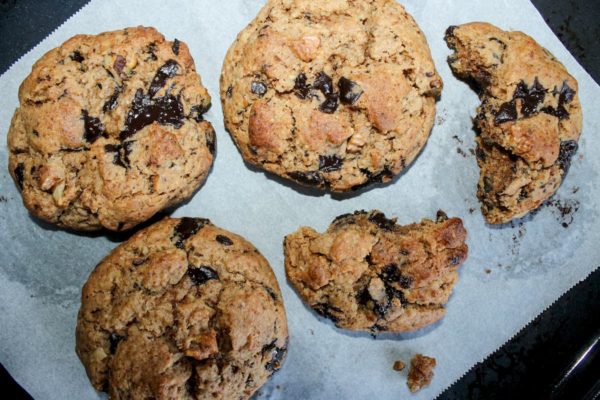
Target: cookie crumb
399 365
421 372
488 271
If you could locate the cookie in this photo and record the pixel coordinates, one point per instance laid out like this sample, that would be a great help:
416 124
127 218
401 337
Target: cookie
335 95
421 372
109 130
529 120
366 273
182 310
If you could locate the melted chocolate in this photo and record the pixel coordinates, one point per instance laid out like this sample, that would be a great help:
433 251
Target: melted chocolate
168 70
379 219
175 47
122 152
350 91
202 274
111 103
531 97
76 56
506 113
330 163
278 354
146 110
308 178
20 174
567 149
186 228
224 240
93 128
197 112
301 87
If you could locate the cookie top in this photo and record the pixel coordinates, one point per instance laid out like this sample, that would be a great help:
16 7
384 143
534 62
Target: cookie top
109 130
181 310
368 273
529 120
335 94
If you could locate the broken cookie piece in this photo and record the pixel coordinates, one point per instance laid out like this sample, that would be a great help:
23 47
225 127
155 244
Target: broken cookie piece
182 310
529 120
399 365
421 372
367 273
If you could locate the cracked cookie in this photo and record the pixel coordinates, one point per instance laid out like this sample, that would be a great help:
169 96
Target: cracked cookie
182 310
529 120
368 273
109 130
335 95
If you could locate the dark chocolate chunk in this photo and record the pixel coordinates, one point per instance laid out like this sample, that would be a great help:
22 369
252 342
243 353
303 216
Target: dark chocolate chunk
20 174
224 240
379 219
93 128
111 103
301 87
487 184
330 163
323 83
480 154
119 64
379 177
326 310
258 88
146 110
330 104
565 96
506 113
308 178
455 260
229 91
186 228
202 274
76 56
278 354
151 49
441 216
531 97
197 112
122 152
271 293
175 47
168 70
391 274
211 143
113 341
567 149
450 31
350 91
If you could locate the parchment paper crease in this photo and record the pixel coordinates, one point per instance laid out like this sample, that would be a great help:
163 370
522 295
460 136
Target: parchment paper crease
529 265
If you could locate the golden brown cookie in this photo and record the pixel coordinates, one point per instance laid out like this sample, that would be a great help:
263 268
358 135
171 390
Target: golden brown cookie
368 273
529 120
109 130
336 94
182 310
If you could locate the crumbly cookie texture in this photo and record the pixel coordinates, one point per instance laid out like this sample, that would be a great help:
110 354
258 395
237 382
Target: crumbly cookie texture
336 95
367 273
421 372
182 310
109 130
529 120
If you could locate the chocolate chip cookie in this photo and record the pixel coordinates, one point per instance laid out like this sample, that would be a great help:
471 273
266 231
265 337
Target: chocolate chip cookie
109 130
182 310
529 120
368 273
335 95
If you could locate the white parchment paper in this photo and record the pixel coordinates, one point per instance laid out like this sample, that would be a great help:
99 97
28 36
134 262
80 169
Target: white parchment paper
511 275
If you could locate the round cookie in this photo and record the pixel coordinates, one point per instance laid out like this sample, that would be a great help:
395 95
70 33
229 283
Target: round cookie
529 120
335 95
109 130
366 273
182 310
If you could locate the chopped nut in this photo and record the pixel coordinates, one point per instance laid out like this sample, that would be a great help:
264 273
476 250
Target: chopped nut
421 372
357 141
399 365
58 193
